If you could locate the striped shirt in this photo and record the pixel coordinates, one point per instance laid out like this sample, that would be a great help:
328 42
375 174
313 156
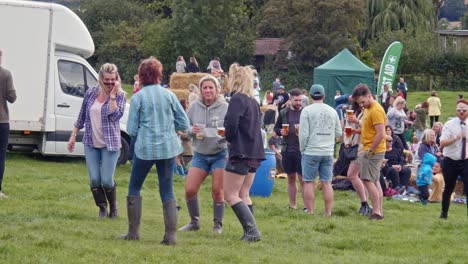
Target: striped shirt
110 120
155 116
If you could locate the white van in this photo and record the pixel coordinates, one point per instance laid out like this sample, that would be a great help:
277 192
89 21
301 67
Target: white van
45 47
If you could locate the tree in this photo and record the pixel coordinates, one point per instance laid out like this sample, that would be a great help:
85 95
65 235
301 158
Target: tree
208 28
393 15
315 30
414 57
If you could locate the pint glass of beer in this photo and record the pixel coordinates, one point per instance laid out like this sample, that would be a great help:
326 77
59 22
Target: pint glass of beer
286 128
201 133
296 129
220 131
348 131
349 112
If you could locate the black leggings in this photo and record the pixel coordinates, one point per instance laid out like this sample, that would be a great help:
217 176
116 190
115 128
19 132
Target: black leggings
423 192
432 118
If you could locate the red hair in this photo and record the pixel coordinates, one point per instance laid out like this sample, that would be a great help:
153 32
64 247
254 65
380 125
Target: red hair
150 71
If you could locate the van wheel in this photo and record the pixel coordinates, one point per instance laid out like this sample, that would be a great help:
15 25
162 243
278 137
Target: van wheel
124 150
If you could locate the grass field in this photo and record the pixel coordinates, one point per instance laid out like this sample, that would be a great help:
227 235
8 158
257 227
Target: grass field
50 217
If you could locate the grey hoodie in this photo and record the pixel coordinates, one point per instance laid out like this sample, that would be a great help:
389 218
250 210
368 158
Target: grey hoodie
212 116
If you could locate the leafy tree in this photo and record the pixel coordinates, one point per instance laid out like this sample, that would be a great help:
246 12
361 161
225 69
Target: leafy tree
120 44
414 56
208 28
393 15
315 30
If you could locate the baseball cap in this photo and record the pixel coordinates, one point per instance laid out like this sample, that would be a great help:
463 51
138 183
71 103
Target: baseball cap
317 90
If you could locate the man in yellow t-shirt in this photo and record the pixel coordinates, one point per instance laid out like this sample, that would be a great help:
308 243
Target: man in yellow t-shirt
373 141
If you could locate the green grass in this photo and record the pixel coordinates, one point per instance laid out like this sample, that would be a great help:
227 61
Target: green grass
447 99
50 217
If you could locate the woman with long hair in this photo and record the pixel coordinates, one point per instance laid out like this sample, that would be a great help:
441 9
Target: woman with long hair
243 133
100 113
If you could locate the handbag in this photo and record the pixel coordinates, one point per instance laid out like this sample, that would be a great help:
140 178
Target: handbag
350 151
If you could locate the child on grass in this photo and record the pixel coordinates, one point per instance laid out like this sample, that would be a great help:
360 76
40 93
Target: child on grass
424 178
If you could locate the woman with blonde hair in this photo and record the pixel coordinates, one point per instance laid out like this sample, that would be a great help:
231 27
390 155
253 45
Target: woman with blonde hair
242 124
397 118
210 151
437 127
194 94
102 108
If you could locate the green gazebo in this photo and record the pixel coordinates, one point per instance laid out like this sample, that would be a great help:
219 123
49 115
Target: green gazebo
343 72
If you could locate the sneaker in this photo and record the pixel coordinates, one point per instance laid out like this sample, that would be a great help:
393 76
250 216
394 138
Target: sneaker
305 210
402 190
3 196
374 216
365 210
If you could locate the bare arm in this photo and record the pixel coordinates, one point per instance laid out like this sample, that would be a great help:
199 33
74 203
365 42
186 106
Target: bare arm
380 128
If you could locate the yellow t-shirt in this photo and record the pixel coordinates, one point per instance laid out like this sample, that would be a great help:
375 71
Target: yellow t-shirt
374 115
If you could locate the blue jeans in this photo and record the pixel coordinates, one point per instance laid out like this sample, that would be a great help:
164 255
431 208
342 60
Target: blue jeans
101 165
141 168
4 131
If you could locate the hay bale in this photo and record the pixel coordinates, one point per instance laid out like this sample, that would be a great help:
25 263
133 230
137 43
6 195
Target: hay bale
181 94
181 81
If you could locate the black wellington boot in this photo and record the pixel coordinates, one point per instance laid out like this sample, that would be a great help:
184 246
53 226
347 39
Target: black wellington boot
111 194
100 200
251 232
134 218
170 222
192 206
218 215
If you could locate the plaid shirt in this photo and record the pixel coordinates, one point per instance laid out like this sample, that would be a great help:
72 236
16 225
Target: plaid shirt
110 120
155 116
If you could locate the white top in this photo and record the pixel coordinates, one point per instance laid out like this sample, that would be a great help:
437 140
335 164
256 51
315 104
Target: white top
319 126
96 124
451 129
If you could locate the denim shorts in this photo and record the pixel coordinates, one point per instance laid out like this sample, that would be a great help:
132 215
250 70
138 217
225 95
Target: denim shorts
209 163
313 165
243 166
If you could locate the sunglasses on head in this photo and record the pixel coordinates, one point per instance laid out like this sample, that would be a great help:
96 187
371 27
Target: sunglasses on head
462 110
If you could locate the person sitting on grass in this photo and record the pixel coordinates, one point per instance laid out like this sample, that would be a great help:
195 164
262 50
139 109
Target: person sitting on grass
424 178
396 171
438 184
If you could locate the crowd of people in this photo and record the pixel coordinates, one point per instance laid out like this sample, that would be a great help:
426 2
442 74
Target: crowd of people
228 144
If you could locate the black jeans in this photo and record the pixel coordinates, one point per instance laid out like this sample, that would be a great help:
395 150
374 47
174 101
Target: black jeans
423 192
397 179
4 131
451 170
432 118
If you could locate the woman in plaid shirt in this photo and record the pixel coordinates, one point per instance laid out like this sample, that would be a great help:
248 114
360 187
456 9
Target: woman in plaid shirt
102 108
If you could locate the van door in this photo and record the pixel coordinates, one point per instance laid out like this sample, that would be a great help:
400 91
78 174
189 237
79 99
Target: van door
73 80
